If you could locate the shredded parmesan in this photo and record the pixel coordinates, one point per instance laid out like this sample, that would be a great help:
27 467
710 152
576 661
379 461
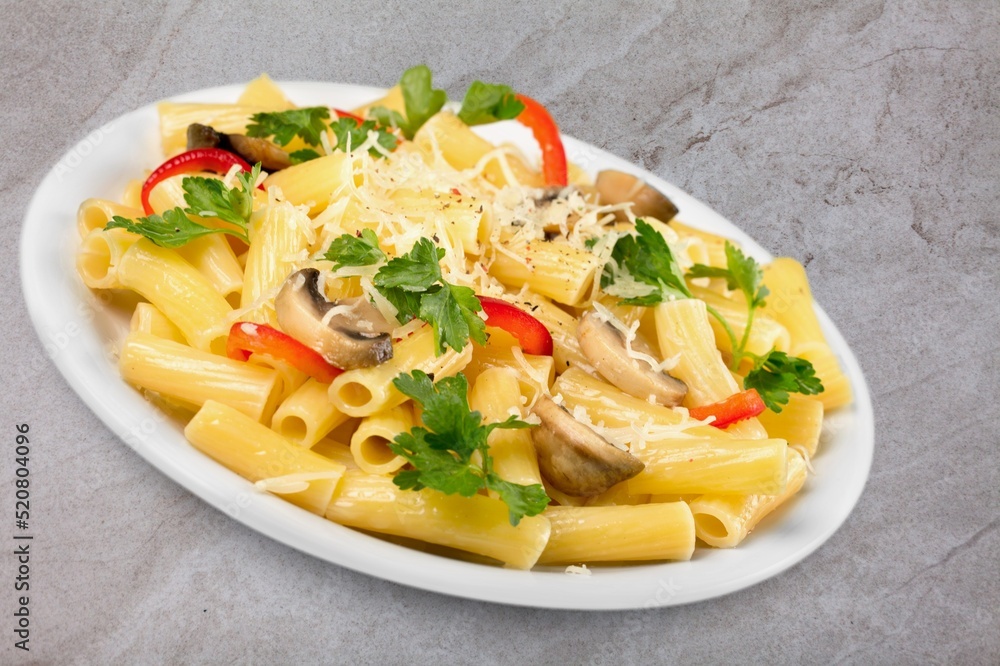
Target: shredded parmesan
629 334
294 483
581 570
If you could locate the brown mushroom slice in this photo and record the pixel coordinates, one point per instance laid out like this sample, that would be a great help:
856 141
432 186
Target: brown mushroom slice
355 335
203 136
604 347
617 187
255 150
573 457
252 149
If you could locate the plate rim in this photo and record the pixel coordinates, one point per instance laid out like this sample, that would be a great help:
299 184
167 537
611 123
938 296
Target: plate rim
270 515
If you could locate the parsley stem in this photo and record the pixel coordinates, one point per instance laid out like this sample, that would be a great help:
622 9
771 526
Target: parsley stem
729 333
738 355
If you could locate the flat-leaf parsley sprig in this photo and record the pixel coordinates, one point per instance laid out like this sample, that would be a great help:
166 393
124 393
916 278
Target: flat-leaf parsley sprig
205 197
744 273
645 263
774 374
442 452
643 271
413 283
310 124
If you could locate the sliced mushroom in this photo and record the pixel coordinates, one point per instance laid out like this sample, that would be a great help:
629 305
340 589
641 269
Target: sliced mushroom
604 347
255 150
356 335
574 458
252 149
617 187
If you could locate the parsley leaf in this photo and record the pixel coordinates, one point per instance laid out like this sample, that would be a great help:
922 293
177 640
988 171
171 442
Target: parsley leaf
645 258
206 197
172 229
348 132
304 155
777 374
386 117
441 453
451 311
520 500
420 99
488 103
415 271
414 285
360 250
286 125
209 197
741 272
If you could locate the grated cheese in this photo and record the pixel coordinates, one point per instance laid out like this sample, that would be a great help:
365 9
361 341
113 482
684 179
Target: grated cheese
630 334
294 483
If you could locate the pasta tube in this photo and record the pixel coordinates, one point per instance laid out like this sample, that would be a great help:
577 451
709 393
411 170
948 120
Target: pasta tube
735 466
682 328
462 148
496 395
366 391
179 291
312 183
799 423
276 247
557 270
476 524
619 533
307 415
96 213
194 377
370 442
257 453
724 521
147 319
791 303
100 254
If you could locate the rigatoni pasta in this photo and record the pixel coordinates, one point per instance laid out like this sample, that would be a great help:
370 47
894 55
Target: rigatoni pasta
413 332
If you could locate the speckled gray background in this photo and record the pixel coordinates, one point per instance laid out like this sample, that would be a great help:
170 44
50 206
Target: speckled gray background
860 137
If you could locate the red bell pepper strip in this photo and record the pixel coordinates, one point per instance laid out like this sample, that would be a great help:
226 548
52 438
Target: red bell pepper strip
347 114
739 406
246 338
199 159
538 120
532 335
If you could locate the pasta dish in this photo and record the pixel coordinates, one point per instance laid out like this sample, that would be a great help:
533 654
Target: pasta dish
385 319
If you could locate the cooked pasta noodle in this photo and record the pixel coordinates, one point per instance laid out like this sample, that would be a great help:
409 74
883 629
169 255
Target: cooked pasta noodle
584 384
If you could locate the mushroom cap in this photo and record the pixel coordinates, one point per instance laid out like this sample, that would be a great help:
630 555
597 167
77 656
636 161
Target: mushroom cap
355 336
573 457
617 187
604 347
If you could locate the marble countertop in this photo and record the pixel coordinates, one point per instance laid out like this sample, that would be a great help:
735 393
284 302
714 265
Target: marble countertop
862 138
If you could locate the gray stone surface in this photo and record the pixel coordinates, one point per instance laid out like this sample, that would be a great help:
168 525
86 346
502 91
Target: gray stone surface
860 137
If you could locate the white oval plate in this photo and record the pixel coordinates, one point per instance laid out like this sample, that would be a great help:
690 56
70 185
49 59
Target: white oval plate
80 333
